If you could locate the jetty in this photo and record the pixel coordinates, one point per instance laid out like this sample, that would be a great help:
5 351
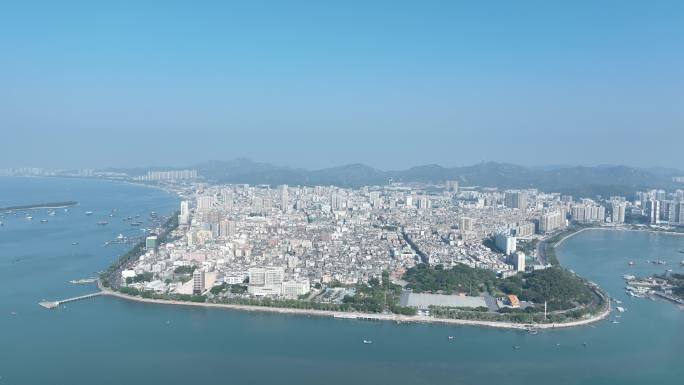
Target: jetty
35 206
669 297
55 304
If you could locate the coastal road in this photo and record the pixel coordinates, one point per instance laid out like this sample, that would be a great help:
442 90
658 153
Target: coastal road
541 248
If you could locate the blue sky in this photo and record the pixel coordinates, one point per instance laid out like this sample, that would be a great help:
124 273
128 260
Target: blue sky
315 84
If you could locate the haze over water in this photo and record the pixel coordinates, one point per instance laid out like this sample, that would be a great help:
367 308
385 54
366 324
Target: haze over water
112 341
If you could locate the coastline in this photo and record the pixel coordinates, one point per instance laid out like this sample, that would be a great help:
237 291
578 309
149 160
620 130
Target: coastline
86 178
391 317
614 229
363 316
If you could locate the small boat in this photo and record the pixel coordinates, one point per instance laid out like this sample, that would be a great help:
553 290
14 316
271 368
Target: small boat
584 344
88 213
102 223
615 322
28 217
620 309
43 221
82 281
51 212
631 263
532 331
367 342
74 243
516 347
451 337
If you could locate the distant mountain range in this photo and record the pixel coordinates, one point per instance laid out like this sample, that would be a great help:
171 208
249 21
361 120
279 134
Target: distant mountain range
575 180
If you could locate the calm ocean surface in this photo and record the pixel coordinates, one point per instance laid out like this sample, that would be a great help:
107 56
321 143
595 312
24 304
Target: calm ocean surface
112 341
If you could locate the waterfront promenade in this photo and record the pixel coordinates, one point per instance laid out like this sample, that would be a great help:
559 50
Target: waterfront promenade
365 316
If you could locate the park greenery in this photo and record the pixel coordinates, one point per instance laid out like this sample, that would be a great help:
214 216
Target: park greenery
457 279
377 296
558 287
144 277
184 269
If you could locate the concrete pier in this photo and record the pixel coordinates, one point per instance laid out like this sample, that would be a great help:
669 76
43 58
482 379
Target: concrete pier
55 304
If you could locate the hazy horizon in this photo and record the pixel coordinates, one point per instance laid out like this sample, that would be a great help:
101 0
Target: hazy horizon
350 163
312 85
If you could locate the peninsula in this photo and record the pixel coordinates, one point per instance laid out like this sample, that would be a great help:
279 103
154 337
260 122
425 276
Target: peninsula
416 253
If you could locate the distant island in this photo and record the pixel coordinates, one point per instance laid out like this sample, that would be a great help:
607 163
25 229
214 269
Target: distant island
47 205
